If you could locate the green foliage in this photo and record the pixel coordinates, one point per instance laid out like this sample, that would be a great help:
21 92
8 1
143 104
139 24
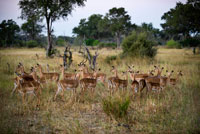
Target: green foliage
109 59
183 19
89 28
50 11
119 22
115 106
108 45
173 44
31 28
31 43
55 52
138 44
60 42
91 42
8 32
192 42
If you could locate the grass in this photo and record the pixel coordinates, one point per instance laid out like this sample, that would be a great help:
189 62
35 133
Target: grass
174 110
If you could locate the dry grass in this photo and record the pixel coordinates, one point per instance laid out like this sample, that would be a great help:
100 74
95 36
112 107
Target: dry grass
174 110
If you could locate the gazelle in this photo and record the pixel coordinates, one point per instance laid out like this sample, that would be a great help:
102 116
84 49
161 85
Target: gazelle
89 83
101 77
84 69
112 80
124 83
157 81
66 75
140 78
47 76
173 81
25 87
67 84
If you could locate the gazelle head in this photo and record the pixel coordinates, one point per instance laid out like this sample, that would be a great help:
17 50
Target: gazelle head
180 73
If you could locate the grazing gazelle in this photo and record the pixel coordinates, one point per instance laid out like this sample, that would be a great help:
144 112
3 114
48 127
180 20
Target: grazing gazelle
25 87
67 84
47 76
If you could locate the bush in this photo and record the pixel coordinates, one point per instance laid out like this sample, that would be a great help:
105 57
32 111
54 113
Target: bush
108 45
138 44
109 59
115 106
31 43
91 42
190 42
60 42
173 44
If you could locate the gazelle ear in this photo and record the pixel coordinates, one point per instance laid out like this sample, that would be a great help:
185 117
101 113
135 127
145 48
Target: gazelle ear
75 70
99 69
38 64
113 67
166 70
61 65
172 71
162 68
155 66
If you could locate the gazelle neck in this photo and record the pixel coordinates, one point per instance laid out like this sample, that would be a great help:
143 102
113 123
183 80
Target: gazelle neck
40 70
116 73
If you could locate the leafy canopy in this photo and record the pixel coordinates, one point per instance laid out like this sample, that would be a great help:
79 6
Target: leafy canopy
183 19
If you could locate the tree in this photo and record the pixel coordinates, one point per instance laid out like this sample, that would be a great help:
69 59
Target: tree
118 22
183 19
89 28
8 32
31 28
50 10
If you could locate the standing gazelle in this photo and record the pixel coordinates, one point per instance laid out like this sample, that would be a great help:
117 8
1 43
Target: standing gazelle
25 87
67 75
89 83
47 76
67 84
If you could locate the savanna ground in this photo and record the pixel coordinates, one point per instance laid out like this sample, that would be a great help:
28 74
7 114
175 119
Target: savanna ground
174 110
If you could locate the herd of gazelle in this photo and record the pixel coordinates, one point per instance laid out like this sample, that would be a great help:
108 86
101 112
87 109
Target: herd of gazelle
31 82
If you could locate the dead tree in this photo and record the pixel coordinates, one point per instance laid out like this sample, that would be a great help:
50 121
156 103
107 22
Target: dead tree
48 68
67 58
91 58
8 67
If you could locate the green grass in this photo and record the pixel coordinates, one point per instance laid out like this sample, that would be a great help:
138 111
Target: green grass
174 110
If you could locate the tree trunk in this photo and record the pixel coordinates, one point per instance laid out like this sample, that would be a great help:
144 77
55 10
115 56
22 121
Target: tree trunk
49 47
118 39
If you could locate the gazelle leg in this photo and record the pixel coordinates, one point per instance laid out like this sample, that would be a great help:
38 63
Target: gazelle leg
57 92
23 98
14 89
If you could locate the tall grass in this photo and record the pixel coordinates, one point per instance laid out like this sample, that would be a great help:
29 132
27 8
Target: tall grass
174 110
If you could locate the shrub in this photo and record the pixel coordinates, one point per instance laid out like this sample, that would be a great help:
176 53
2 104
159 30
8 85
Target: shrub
108 45
190 42
138 44
115 106
173 44
91 42
55 52
31 43
60 42
109 59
